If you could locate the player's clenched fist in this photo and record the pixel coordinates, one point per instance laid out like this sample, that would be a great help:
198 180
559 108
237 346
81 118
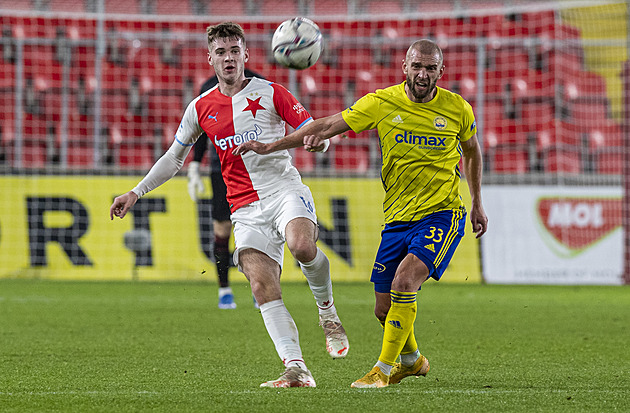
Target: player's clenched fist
122 204
313 143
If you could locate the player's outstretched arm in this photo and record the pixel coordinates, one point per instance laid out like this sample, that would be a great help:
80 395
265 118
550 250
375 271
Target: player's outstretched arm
122 204
473 166
323 128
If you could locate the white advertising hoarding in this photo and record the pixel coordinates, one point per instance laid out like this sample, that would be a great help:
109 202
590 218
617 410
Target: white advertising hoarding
553 235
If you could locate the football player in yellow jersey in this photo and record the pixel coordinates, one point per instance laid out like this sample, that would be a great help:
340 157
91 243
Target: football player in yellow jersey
424 131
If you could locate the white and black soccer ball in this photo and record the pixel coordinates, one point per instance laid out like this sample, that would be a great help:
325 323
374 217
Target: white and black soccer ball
297 43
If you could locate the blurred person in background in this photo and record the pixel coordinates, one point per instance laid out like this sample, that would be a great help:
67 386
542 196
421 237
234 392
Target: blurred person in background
221 224
270 205
424 132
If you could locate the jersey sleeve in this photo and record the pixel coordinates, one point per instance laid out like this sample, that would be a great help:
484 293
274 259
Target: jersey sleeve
172 161
469 125
361 115
288 107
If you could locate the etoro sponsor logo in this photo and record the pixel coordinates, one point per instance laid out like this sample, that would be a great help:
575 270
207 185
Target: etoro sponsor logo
239 138
578 223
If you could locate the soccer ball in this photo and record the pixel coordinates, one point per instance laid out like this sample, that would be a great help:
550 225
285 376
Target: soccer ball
297 43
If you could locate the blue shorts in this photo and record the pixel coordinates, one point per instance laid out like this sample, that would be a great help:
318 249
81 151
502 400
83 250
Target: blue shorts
433 240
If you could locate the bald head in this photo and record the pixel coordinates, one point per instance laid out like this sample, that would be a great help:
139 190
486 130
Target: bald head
425 47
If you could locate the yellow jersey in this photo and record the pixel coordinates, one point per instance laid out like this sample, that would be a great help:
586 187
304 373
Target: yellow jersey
420 148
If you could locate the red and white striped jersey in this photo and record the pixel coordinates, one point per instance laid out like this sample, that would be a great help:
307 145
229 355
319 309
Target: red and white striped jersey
258 112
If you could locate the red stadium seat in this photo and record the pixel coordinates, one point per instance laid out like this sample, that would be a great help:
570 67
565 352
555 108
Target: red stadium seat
320 106
531 85
226 8
558 134
276 7
349 156
66 6
582 85
380 7
7 76
495 112
133 143
38 136
509 160
610 160
122 6
458 63
506 133
327 7
605 135
170 8
535 115
512 58
538 21
114 106
40 64
304 161
589 114
562 161
154 75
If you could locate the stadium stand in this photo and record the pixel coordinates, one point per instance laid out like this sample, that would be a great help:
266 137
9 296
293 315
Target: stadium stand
541 103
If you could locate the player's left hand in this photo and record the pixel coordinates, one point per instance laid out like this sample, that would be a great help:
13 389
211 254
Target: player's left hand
255 146
479 220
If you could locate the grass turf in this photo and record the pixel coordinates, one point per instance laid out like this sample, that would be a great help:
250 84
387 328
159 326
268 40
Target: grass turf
98 346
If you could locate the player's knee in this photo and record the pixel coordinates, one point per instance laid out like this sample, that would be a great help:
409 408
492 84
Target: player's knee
303 250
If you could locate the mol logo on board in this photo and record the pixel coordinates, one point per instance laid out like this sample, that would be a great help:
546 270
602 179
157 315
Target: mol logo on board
578 223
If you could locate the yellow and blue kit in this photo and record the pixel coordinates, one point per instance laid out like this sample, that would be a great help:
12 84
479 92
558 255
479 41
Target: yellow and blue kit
421 151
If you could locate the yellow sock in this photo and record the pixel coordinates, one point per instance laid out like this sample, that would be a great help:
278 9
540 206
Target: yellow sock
411 345
398 325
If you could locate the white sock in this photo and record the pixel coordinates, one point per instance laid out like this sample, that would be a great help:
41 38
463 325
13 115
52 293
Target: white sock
409 359
385 368
224 290
283 333
317 274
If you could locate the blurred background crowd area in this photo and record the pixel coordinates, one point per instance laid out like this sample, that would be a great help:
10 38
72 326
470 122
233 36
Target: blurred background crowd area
90 86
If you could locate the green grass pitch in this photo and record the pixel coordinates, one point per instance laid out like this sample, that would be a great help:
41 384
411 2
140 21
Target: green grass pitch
165 347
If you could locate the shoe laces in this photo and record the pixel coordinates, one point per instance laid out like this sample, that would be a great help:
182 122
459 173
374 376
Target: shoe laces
332 328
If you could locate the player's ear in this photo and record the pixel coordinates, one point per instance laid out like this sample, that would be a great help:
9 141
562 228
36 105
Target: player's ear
404 66
246 55
209 59
441 71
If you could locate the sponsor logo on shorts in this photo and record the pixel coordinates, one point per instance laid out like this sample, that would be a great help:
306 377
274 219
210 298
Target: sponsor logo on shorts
378 267
430 247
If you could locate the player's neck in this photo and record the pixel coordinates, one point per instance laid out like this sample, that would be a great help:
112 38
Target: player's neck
231 89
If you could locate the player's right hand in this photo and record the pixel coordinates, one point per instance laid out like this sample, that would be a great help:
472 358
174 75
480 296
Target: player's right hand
195 184
122 204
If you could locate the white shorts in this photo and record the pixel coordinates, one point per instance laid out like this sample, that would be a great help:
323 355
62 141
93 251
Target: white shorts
261 225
